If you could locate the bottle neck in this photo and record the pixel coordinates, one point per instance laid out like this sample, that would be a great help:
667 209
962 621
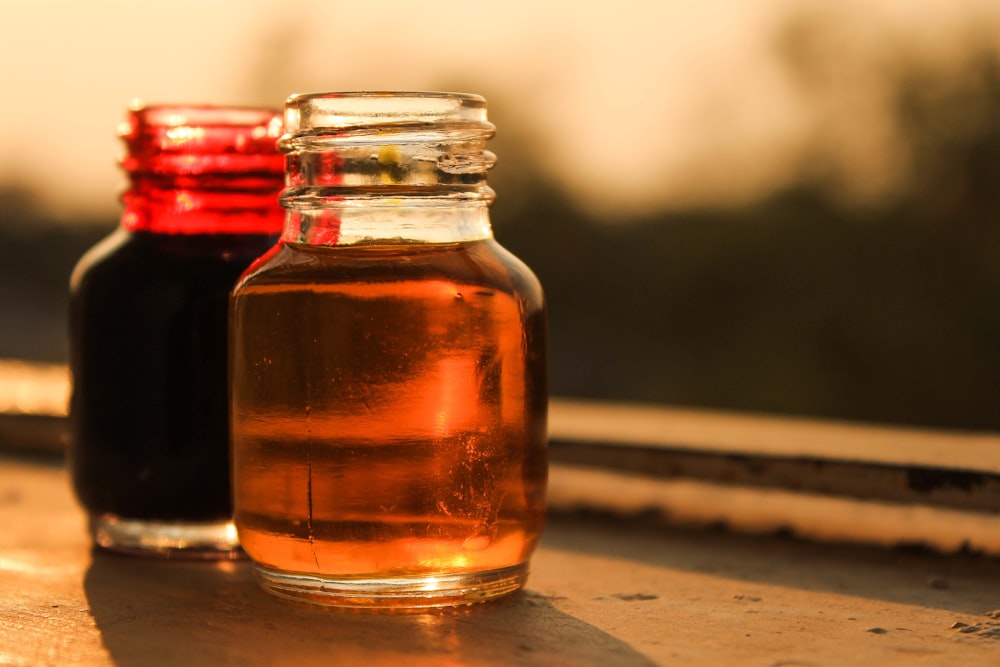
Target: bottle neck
377 168
159 205
202 170
387 223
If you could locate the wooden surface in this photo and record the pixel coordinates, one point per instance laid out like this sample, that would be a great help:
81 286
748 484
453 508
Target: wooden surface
603 591
777 436
891 464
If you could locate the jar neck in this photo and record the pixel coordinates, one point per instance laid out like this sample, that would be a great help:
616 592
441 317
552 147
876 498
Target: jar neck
177 210
383 223
367 168
202 170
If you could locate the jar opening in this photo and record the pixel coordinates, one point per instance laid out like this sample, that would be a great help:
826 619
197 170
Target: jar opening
349 110
210 115
194 130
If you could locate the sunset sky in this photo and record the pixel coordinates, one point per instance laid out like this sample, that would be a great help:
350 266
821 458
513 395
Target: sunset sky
634 104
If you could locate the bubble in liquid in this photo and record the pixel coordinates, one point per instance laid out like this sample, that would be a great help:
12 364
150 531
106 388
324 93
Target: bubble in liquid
477 542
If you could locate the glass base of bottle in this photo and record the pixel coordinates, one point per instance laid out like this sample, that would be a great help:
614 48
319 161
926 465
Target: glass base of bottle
166 539
393 593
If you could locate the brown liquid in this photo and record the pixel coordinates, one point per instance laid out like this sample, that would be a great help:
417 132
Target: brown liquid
389 410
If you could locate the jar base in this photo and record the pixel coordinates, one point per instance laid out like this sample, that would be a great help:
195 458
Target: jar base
166 539
393 593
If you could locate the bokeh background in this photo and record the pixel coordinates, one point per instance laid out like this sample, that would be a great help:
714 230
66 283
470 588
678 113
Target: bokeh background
782 206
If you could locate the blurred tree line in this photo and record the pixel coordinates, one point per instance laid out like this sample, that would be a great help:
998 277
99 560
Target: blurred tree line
798 304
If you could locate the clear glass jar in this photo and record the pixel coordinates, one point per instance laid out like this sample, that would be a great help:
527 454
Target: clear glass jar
149 445
388 366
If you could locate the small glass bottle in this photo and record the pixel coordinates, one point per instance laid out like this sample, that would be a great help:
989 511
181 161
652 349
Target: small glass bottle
149 444
388 366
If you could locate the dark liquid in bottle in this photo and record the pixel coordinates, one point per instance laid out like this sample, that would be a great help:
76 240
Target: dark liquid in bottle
389 410
148 355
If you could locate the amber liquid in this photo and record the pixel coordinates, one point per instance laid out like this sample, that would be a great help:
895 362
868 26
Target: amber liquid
388 410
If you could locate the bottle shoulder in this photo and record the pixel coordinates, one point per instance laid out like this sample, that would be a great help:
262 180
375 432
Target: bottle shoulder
482 262
103 252
524 280
149 257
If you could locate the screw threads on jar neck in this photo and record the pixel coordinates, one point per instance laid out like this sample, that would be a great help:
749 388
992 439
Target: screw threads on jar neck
202 170
370 167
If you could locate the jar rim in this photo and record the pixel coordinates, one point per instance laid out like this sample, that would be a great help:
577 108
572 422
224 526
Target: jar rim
403 94
201 115
351 109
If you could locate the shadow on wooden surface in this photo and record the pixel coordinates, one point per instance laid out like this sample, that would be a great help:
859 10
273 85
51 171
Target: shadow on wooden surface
169 613
960 583
603 591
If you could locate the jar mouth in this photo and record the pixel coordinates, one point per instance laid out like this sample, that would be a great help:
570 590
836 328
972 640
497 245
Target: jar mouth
201 139
200 115
346 111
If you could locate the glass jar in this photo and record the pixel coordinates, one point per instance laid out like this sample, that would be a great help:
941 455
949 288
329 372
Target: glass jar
388 366
149 450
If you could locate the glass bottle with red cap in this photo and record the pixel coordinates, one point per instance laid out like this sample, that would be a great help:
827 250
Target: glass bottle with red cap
148 332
